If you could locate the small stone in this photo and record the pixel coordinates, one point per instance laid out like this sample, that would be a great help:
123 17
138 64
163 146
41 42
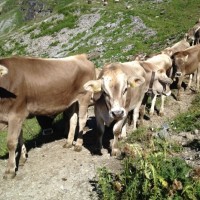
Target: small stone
163 134
196 132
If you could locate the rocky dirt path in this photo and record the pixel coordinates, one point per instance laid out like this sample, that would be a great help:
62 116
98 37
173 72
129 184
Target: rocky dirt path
55 173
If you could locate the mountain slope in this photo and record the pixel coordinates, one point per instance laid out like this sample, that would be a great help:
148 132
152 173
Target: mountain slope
110 33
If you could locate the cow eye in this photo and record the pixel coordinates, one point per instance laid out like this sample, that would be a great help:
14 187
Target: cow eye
125 90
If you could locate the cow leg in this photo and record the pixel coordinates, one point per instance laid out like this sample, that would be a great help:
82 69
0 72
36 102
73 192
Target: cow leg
153 102
197 77
161 112
14 130
180 80
100 129
82 122
23 152
142 108
130 117
72 115
83 114
136 116
117 128
190 81
142 113
123 134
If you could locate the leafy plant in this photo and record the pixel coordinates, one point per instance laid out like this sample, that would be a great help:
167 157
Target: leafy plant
152 175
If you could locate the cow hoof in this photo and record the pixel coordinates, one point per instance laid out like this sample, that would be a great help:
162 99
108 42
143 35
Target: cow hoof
116 152
161 114
67 145
22 161
97 151
178 99
151 113
77 148
140 122
9 175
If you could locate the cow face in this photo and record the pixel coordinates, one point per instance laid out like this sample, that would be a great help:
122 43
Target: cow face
113 86
158 80
3 70
179 61
190 37
161 83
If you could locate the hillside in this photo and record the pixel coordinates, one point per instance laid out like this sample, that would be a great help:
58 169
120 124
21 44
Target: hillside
110 33
115 32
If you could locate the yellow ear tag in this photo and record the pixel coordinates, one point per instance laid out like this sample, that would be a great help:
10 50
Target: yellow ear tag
97 89
132 84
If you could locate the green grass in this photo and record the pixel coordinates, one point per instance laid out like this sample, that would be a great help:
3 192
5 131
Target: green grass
188 121
3 146
30 130
49 28
152 173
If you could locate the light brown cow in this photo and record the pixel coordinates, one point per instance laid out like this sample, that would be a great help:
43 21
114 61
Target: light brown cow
164 62
36 86
119 89
179 46
160 62
186 62
193 35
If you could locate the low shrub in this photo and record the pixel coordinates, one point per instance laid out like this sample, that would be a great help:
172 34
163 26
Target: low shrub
153 175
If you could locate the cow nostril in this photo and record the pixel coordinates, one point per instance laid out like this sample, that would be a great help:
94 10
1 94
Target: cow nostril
118 113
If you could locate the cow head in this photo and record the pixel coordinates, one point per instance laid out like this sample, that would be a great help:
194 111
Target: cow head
190 37
113 85
3 70
162 83
179 60
159 82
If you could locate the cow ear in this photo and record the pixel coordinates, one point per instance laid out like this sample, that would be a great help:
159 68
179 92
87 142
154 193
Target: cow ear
161 71
3 70
93 86
135 81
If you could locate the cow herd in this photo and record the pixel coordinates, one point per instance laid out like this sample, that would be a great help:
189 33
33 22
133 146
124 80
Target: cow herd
119 91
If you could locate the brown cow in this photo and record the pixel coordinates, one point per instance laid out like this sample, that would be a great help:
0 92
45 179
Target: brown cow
160 62
186 62
164 62
179 46
119 89
36 86
193 35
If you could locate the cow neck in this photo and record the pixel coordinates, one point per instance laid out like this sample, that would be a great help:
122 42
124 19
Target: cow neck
103 97
150 89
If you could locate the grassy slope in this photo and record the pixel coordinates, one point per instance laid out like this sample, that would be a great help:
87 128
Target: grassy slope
170 19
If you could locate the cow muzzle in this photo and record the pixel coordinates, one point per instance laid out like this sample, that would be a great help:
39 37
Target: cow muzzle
167 93
178 74
117 113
